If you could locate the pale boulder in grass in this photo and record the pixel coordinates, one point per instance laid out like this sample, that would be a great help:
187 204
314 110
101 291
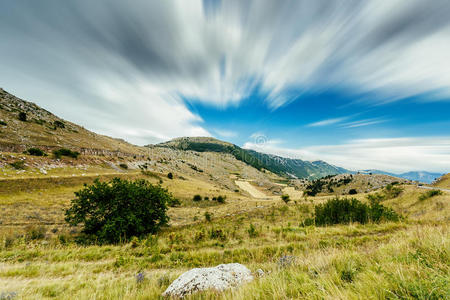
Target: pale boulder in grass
218 278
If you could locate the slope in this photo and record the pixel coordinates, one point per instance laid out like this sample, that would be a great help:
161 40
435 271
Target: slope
287 167
24 124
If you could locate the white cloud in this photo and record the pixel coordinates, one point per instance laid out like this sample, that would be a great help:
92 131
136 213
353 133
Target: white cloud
388 154
365 122
94 54
226 133
327 122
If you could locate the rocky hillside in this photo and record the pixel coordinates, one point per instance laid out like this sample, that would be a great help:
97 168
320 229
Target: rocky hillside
347 184
24 124
287 167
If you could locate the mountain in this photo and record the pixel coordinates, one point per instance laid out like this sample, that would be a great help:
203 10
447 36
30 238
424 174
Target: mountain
422 176
287 167
24 124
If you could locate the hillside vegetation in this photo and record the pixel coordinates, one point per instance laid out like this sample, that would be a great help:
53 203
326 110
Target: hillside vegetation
43 129
443 181
293 168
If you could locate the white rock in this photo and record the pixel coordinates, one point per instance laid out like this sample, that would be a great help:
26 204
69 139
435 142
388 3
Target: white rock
43 171
217 278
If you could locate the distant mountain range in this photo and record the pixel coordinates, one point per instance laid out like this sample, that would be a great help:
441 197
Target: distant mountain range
292 168
421 176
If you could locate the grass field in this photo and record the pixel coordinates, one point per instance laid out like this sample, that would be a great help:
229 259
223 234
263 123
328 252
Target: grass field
39 258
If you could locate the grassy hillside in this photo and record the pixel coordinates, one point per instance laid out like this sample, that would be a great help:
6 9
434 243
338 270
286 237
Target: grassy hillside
443 181
43 129
287 167
39 258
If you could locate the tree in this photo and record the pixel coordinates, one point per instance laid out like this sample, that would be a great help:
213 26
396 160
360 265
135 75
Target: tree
119 210
352 192
197 198
170 175
285 198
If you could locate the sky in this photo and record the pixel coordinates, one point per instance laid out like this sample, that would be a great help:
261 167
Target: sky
358 84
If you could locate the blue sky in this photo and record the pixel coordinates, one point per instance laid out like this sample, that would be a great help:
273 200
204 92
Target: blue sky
359 84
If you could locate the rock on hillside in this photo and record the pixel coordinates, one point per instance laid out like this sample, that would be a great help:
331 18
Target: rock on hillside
219 278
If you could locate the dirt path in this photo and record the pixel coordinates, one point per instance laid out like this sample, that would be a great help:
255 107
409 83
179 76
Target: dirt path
254 192
433 188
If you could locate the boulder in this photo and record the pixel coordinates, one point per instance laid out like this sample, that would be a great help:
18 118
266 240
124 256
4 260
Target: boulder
218 278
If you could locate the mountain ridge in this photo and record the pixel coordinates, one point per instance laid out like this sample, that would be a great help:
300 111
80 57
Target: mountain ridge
287 167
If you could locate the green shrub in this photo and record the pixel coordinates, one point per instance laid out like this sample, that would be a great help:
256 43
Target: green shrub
3 123
35 152
392 191
170 176
208 216
119 210
285 198
344 211
197 198
221 199
429 194
35 232
352 192
174 202
18 165
65 152
59 124
22 116
123 166
252 232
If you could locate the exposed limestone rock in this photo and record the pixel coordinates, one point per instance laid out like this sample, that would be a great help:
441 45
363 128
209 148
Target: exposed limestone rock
218 278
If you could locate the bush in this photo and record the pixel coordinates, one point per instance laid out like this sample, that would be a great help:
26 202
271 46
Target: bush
170 176
391 191
174 202
221 199
352 192
18 165
35 152
65 152
123 166
22 116
35 232
208 216
197 198
3 123
285 198
429 194
252 232
344 211
119 210
59 124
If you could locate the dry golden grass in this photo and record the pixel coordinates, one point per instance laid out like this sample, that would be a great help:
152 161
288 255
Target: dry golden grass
443 182
403 260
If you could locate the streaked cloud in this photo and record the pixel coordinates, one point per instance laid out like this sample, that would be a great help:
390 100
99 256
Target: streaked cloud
365 122
131 66
327 122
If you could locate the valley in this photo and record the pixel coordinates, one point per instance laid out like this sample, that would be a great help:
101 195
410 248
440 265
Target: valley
42 257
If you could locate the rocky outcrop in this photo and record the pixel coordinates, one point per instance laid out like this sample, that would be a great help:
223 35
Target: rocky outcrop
218 278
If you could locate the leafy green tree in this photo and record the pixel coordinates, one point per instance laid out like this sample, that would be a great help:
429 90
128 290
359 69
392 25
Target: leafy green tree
119 210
